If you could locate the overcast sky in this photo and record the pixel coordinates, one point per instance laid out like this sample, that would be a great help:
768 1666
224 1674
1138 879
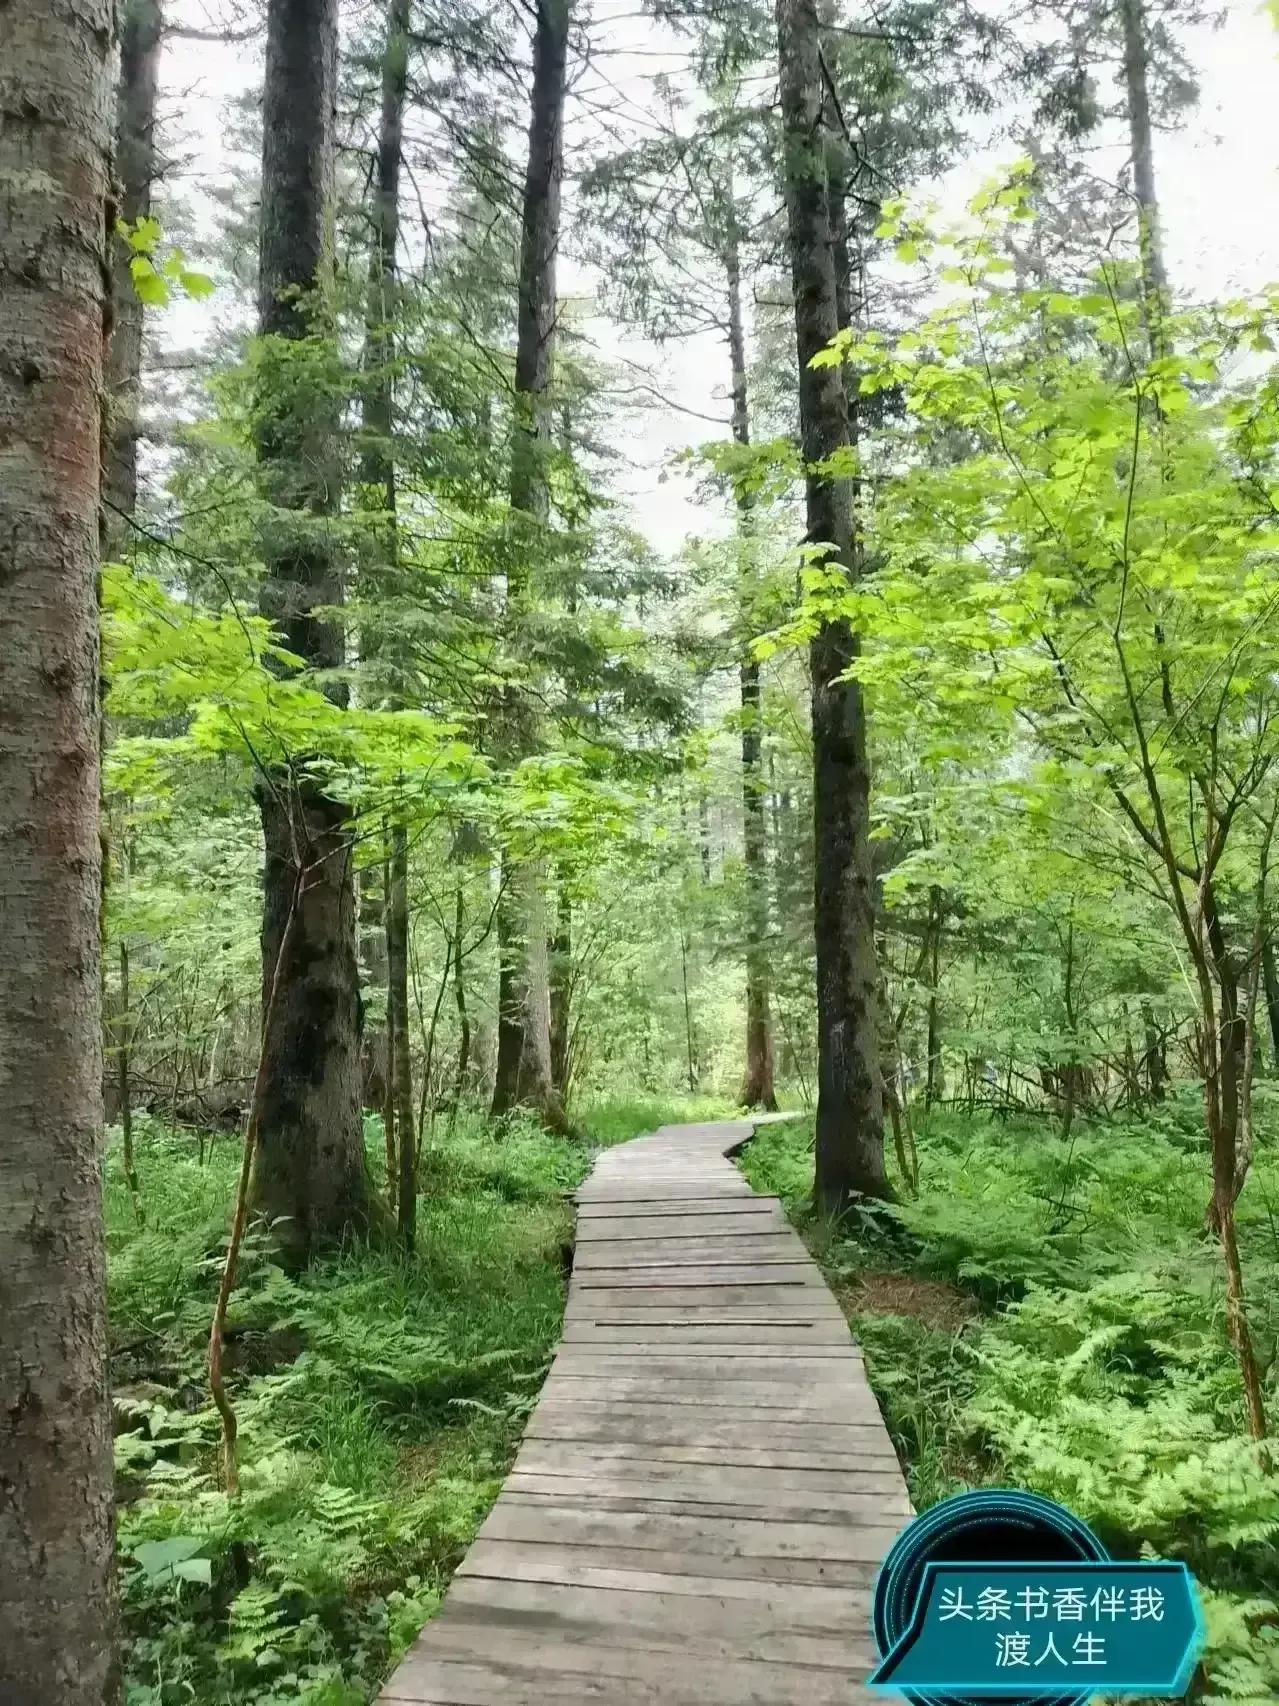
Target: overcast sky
1218 180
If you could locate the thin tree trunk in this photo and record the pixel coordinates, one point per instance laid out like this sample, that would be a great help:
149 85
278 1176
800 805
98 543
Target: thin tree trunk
1153 270
1270 978
57 1597
459 996
688 1014
1153 1057
757 1084
375 1071
524 1039
135 160
397 942
389 1121
310 1175
850 1130
935 1088
240 1213
124 1082
378 404
561 974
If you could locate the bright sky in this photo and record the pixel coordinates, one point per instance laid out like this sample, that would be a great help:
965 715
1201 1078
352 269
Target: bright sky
1218 180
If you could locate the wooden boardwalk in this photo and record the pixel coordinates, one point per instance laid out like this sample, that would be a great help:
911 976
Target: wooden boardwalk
705 1489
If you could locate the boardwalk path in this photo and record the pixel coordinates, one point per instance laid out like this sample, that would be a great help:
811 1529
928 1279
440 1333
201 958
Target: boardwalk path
705 1490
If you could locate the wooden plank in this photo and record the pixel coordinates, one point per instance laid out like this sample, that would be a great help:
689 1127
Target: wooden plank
563 1454
556 1623
755 1483
845 1402
693 1532
667 1331
793 1372
618 1679
688 1426
646 1490
726 1350
702 1274
641 1569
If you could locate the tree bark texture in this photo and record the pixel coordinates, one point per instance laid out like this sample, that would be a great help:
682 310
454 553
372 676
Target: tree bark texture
1270 983
57 1597
524 1041
1141 136
310 1165
757 1083
561 985
378 400
397 940
135 159
850 1131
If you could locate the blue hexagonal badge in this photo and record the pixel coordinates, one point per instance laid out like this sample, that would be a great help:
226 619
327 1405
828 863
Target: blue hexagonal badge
1004 1596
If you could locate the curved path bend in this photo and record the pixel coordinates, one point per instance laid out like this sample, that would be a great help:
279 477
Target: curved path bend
706 1488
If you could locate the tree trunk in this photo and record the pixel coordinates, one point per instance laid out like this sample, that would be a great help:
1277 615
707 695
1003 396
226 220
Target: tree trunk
935 1088
310 1173
1137 97
57 1600
459 996
397 942
1153 1057
135 161
757 1084
524 1039
850 1130
375 1066
561 971
1270 977
1225 1048
524 1006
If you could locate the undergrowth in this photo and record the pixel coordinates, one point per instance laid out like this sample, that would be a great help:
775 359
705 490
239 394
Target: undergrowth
1090 1362
379 1398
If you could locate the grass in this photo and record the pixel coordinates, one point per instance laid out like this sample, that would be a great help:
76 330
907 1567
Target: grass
380 1398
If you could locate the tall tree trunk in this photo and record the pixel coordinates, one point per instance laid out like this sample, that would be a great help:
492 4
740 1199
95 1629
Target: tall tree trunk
57 1598
140 42
757 1084
1137 99
524 1020
850 1128
309 1173
378 405
397 939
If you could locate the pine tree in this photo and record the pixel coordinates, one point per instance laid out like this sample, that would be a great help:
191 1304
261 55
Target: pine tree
57 1598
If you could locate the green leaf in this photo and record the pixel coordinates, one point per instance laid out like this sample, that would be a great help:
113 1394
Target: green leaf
174 1557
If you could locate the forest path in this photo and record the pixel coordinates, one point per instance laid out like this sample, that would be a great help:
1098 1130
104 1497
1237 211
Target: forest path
705 1490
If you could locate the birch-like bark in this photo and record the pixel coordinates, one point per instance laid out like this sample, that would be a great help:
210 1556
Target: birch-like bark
757 1083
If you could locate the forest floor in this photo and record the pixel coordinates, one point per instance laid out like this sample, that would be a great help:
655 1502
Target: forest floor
1048 1313
1045 1312
380 1400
